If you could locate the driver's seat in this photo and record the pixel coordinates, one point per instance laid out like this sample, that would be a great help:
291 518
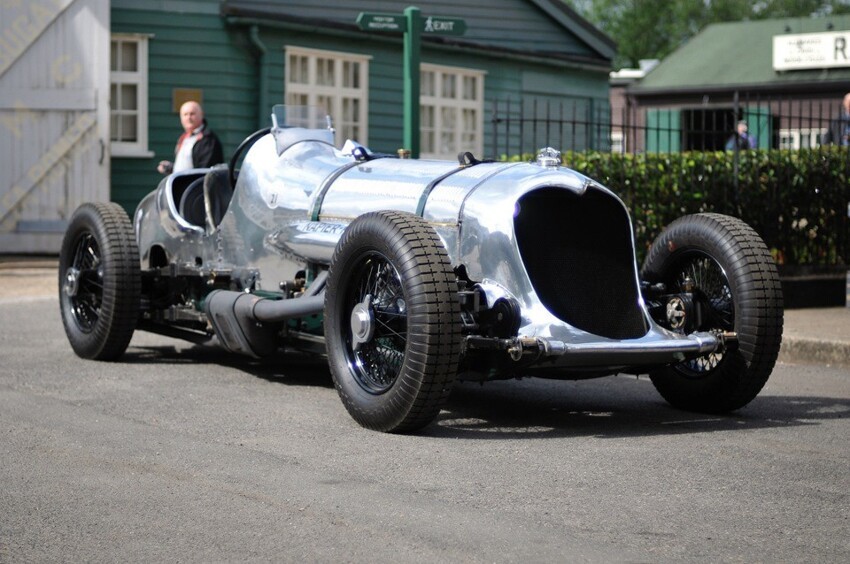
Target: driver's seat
204 202
191 206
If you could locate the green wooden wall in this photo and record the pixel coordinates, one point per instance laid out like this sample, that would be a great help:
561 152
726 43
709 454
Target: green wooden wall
511 24
194 47
187 50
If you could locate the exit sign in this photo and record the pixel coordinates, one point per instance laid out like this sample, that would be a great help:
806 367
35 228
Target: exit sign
435 25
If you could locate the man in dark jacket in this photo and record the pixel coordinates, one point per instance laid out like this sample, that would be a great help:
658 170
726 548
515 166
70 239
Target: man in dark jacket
198 147
839 130
741 139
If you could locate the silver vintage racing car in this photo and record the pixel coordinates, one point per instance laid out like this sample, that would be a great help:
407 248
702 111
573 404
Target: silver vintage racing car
410 274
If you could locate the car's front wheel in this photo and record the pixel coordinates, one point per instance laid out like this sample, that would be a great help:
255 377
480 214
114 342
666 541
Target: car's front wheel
99 281
723 265
392 321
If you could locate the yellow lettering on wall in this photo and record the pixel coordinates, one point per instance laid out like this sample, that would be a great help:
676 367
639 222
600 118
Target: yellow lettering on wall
25 29
13 120
64 71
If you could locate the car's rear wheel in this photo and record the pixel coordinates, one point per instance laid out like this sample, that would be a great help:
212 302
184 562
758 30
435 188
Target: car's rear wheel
730 271
392 321
99 281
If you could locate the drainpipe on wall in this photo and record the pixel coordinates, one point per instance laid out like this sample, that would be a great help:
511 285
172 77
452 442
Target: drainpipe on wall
263 111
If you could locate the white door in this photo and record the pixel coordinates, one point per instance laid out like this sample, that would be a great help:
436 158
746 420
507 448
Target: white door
54 117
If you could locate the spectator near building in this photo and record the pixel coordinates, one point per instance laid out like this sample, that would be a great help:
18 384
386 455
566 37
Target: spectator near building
741 139
198 147
839 129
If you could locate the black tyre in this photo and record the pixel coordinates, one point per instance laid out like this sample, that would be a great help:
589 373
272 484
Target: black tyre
392 321
736 279
99 281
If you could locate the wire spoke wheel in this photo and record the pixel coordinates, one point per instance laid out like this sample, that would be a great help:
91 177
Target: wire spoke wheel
711 287
84 283
392 321
735 282
99 281
377 363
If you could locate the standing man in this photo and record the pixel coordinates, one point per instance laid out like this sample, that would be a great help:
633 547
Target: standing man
198 147
741 139
839 129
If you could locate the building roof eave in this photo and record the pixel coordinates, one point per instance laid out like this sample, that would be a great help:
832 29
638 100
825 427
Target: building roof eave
575 23
772 87
238 16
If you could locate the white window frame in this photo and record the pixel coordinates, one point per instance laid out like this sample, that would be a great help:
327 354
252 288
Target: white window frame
792 138
437 102
139 78
618 142
336 93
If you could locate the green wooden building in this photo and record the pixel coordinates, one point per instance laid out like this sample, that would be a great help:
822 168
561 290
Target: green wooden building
242 56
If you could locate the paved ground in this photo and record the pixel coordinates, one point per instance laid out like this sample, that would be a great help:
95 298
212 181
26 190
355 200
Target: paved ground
186 453
27 277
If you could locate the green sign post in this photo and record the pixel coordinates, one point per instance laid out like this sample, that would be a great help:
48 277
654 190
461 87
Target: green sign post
412 49
413 26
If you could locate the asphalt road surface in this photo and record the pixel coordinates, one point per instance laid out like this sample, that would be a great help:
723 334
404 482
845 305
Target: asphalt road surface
185 453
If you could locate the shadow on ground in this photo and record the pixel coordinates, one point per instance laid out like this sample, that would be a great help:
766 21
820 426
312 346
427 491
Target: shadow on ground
611 407
292 368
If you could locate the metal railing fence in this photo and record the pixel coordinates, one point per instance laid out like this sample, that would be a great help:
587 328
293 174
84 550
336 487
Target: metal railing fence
787 176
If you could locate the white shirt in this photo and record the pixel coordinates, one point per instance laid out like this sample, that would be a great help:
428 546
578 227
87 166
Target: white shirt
183 159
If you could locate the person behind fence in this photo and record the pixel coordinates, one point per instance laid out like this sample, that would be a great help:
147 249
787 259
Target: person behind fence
198 147
839 129
741 139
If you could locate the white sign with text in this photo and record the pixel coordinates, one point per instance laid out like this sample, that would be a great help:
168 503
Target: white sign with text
811 50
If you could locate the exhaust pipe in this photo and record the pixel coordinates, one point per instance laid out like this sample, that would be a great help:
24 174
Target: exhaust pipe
273 311
310 303
248 324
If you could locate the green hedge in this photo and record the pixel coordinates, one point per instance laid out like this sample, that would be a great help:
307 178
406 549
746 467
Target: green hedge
797 200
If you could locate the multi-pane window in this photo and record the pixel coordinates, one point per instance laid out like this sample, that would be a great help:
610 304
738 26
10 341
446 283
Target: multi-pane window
128 95
451 114
337 83
800 138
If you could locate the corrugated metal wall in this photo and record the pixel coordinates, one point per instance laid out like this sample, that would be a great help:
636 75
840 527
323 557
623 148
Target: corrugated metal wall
54 117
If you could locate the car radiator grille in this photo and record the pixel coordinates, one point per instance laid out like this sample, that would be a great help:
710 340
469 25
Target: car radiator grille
577 250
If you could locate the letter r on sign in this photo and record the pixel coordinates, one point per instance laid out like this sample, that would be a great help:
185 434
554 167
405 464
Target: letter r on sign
841 47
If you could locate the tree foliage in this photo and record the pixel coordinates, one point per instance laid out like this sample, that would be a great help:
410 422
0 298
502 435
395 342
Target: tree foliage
652 29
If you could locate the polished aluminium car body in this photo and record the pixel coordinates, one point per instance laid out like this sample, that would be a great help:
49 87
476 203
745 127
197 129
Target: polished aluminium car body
296 194
409 274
